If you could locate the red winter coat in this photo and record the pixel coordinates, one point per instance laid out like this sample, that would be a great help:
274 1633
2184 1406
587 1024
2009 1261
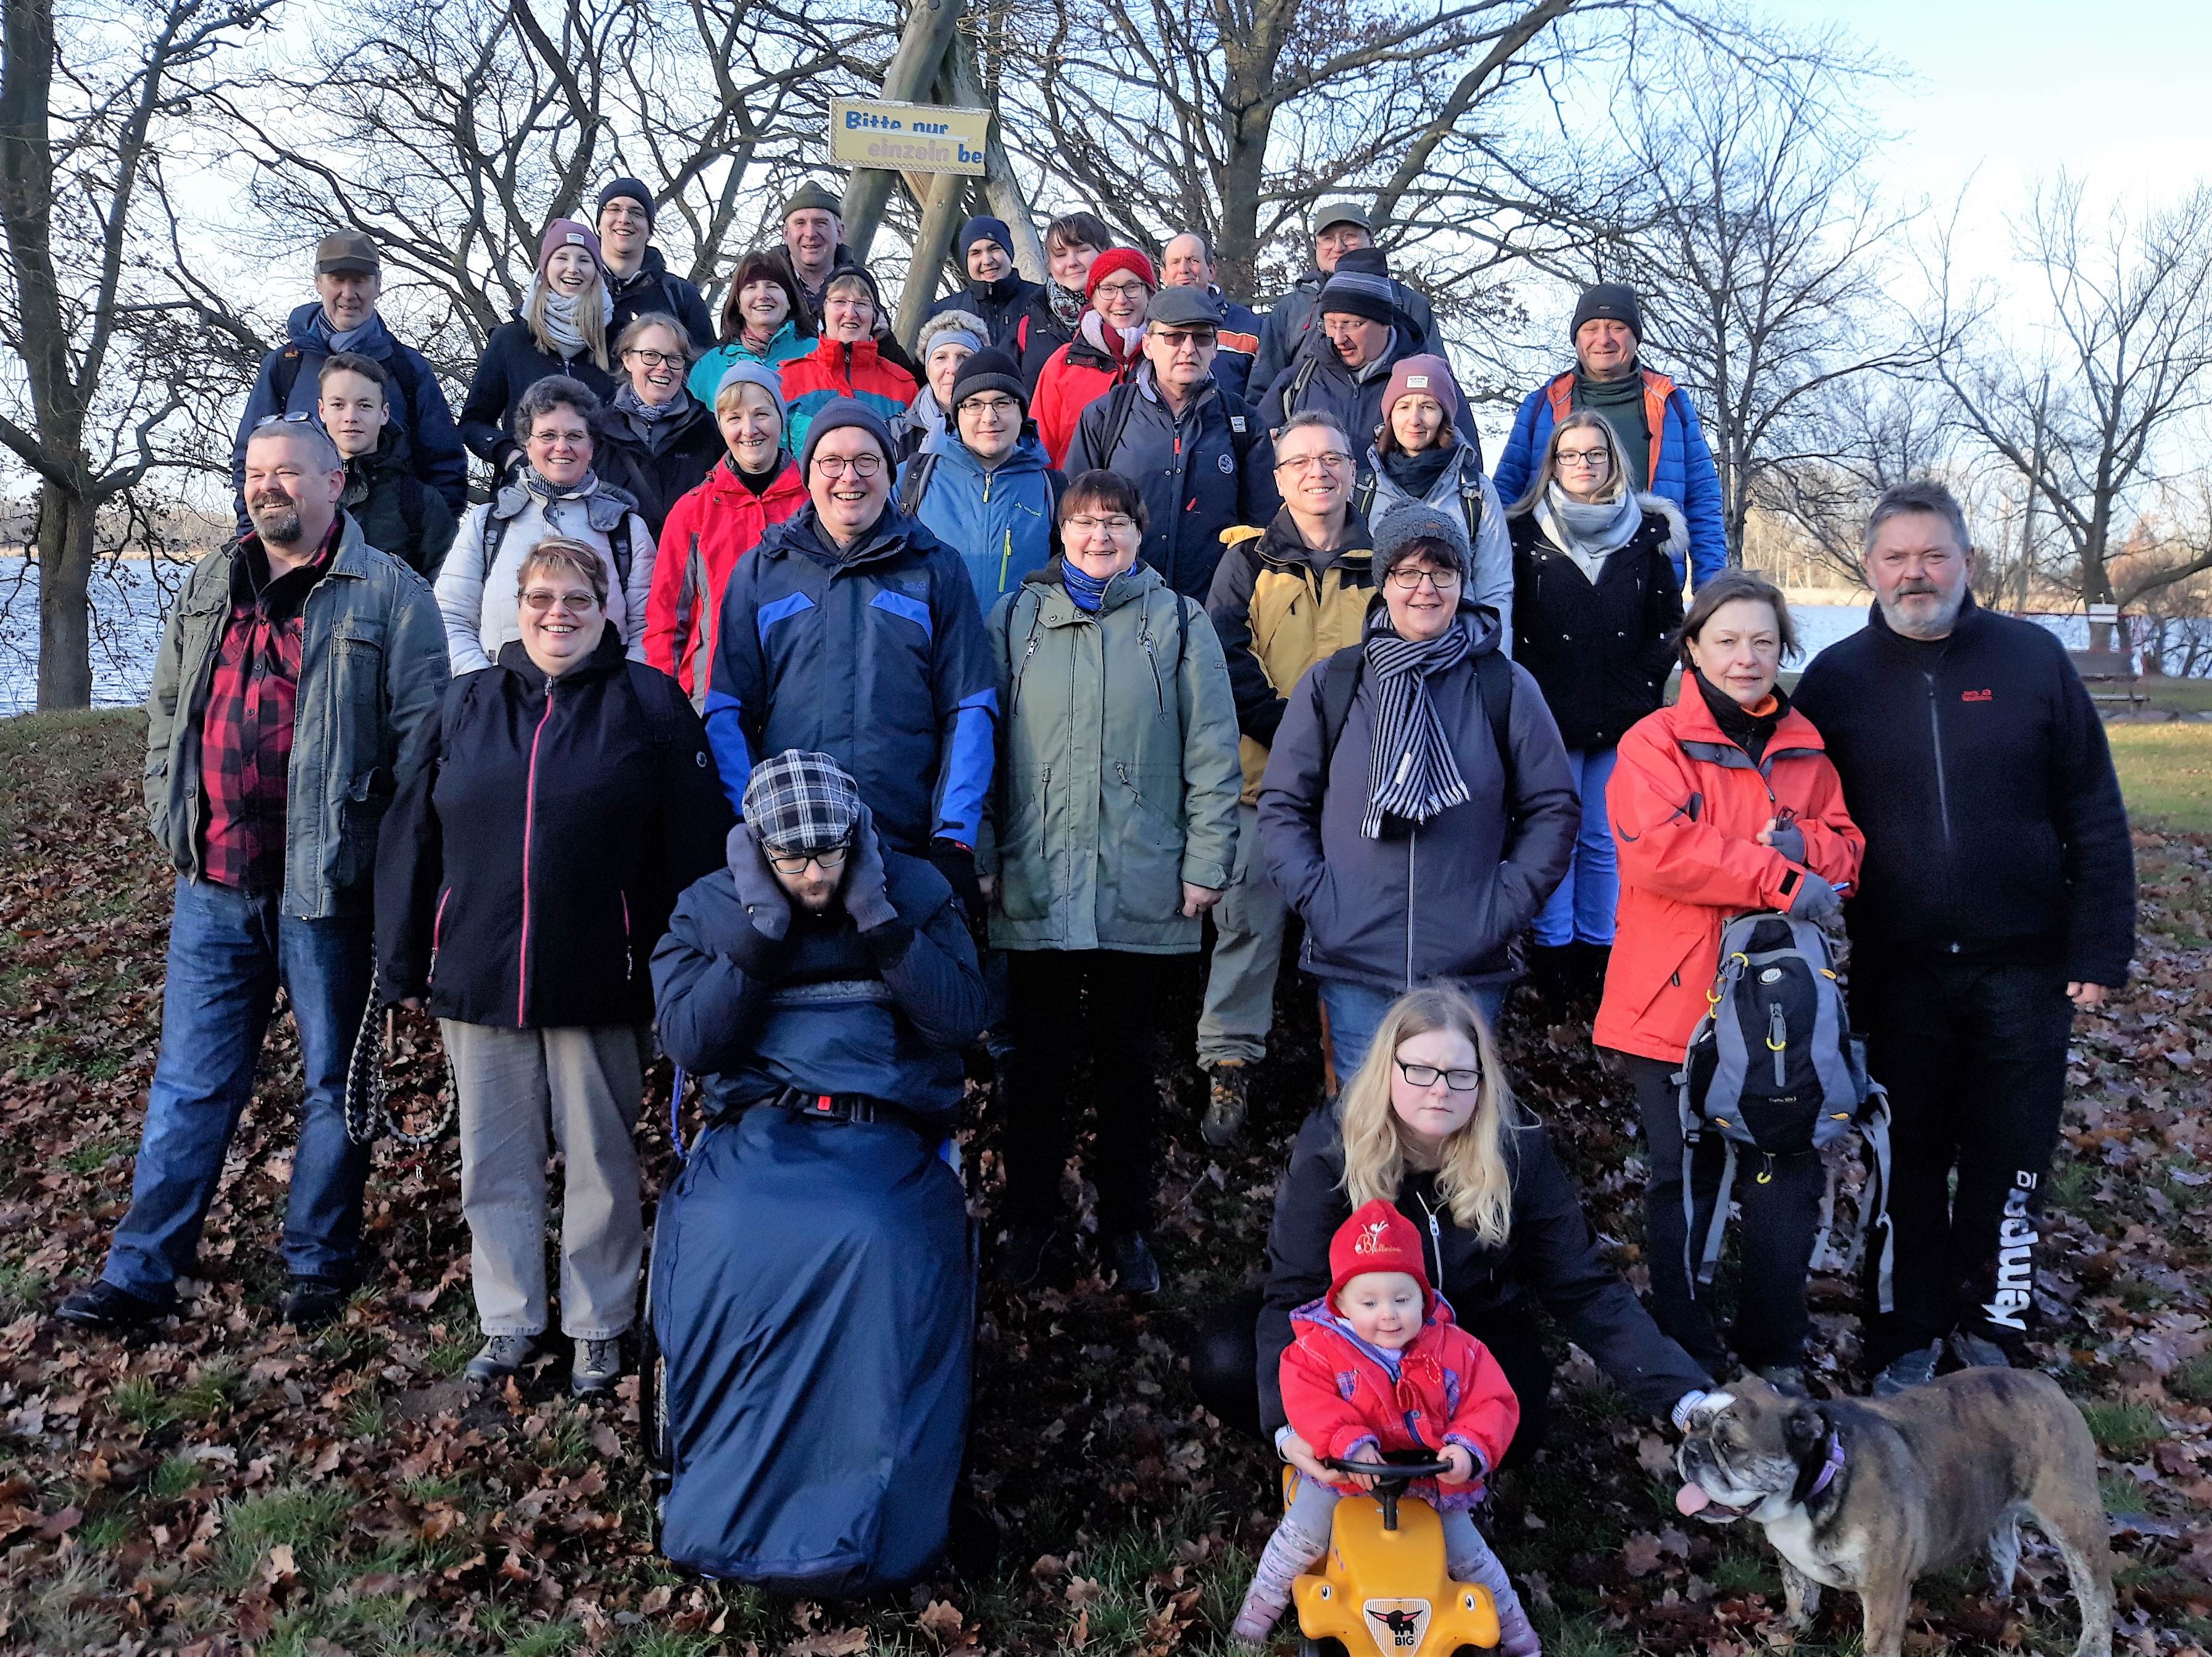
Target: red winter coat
1074 377
1686 806
1449 1390
706 531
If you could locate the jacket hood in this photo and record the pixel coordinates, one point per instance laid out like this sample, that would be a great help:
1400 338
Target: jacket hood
1281 545
615 425
606 657
1688 719
299 330
1028 455
1316 1315
651 269
891 537
605 507
724 481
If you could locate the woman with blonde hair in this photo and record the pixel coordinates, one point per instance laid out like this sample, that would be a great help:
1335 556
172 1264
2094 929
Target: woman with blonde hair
1427 1124
561 328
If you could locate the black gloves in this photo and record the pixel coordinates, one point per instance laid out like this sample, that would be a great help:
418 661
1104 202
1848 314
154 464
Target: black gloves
957 864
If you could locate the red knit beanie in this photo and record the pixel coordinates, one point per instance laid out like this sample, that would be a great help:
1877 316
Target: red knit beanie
1120 258
1377 1238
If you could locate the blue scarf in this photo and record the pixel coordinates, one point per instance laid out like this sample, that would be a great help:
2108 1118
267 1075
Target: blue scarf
1088 592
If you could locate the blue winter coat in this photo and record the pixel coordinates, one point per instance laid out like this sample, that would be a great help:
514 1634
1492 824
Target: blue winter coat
418 403
875 655
1239 337
999 521
1199 475
1681 462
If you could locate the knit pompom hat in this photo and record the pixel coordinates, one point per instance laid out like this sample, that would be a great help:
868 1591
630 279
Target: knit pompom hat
1377 1238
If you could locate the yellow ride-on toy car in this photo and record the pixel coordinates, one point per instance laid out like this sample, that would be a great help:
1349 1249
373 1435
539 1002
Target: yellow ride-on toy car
1383 1587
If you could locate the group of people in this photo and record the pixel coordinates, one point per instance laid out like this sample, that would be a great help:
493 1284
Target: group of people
813 709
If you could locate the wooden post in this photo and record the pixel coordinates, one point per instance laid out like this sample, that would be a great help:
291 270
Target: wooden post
1001 187
929 32
940 217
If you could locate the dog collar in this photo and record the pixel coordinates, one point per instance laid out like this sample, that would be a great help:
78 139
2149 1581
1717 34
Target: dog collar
1829 1468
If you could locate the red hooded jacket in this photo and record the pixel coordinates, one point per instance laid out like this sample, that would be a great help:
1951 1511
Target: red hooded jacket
706 531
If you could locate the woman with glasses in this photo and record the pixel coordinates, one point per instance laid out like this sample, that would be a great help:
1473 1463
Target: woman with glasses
850 362
1109 345
660 442
1597 602
547 818
1417 808
1115 829
1427 1124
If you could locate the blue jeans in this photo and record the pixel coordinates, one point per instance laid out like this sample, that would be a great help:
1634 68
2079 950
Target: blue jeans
228 950
1356 1010
1581 910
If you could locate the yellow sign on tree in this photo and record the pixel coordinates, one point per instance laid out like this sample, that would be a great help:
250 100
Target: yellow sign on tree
907 137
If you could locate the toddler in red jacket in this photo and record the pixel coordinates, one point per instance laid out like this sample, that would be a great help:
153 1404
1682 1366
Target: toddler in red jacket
1377 1364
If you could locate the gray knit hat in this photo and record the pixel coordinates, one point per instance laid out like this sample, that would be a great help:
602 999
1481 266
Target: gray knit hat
799 801
744 373
1405 529
1354 293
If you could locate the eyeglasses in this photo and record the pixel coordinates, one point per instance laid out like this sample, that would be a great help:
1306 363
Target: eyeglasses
654 359
796 862
574 603
1425 1075
1584 457
1335 460
268 420
1115 524
861 466
990 405
1437 581
1119 290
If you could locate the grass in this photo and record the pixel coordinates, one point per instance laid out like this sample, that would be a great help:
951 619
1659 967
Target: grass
2124 1425
2188 695
2166 771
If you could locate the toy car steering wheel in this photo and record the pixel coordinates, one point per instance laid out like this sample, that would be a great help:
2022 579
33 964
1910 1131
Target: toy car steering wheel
1397 1470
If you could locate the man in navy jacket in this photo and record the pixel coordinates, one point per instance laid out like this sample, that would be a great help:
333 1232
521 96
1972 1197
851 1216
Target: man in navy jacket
1998 896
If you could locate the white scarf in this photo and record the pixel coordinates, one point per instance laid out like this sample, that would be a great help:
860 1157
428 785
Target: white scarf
1589 531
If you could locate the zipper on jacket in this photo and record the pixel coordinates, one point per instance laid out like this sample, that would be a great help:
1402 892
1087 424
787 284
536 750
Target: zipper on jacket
1412 835
1435 1243
629 953
529 813
1152 657
1044 808
1935 741
1778 1042
1007 554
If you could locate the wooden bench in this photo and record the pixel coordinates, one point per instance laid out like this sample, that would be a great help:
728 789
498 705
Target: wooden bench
2110 675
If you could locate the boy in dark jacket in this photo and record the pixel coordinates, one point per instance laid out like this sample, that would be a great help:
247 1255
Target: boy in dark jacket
994 290
638 278
1996 896
397 512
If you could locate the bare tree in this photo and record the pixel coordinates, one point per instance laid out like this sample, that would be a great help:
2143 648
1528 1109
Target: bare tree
95 300
2092 422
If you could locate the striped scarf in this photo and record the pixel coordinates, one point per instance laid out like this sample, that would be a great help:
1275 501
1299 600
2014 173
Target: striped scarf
1411 773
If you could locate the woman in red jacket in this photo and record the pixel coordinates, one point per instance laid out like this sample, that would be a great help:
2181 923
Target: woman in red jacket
1108 344
756 484
1723 803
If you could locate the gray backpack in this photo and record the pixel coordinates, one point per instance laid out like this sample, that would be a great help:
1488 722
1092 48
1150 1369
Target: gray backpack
1773 1070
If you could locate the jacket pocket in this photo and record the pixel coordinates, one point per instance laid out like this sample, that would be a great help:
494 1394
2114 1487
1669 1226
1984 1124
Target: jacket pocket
1025 856
361 813
1140 849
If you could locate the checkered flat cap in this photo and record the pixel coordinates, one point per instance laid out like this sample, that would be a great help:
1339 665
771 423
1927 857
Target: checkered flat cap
800 802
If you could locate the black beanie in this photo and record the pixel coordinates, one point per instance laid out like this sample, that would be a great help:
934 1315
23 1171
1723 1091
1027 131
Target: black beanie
1613 299
631 188
990 370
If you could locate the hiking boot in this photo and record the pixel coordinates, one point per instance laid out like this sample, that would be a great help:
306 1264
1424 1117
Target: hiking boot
1021 1255
311 1302
1785 1378
500 1356
108 1309
1226 1102
597 1368
1134 1268
1975 1351
1908 1370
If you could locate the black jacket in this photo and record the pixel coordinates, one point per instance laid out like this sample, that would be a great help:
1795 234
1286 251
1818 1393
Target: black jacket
511 364
1037 334
397 512
1977 767
656 288
1002 305
541 833
661 462
1199 475
1601 653
1550 1256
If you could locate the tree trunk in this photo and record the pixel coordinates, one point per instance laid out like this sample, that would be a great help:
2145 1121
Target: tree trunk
1243 170
65 520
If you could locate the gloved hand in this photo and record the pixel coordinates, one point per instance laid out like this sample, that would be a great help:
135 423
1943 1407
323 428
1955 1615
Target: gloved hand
765 900
1787 838
866 900
957 864
1816 900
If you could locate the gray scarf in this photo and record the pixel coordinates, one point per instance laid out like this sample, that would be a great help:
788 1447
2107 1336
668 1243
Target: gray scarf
553 499
561 313
1589 531
1411 773
631 402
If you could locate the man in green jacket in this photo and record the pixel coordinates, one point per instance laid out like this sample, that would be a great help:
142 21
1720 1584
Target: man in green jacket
295 664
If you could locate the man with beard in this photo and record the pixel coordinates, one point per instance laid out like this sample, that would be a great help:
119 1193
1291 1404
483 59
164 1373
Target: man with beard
1998 896
295 663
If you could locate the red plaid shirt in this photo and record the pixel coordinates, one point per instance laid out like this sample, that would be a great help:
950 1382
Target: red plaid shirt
246 731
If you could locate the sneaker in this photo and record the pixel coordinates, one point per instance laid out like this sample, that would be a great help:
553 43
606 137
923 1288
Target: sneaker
1226 1102
1784 1377
311 1302
1020 1262
500 1356
1134 1268
1908 1370
1977 1351
597 1368
107 1308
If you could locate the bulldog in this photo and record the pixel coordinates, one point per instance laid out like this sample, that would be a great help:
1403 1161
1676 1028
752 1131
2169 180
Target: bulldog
1871 1495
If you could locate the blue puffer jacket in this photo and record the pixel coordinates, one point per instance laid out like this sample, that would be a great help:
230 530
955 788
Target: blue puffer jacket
1240 327
875 655
999 521
1682 462
1199 475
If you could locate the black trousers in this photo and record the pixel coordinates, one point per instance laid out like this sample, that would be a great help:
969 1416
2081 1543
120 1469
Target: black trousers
1974 1058
1057 998
1224 1367
1780 1200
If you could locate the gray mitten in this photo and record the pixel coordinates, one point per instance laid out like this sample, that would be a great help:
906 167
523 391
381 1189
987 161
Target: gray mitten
757 889
1789 840
1816 900
866 899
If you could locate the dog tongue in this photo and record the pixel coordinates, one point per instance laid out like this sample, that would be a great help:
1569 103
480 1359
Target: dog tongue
1691 1498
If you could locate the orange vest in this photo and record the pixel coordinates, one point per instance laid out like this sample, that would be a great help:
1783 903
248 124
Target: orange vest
1657 388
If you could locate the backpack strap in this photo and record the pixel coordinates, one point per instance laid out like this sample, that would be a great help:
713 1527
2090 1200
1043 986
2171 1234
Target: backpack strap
1119 403
1339 683
913 486
495 533
286 375
1493 681
1470 499
619 544
1363 496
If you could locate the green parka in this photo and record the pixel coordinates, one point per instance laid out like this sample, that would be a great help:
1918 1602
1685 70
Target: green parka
1117 777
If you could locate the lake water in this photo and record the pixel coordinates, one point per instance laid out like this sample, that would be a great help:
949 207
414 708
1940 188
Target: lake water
131 601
